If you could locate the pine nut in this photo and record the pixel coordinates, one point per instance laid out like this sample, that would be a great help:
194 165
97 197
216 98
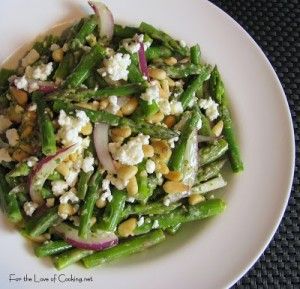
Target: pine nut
196 199
58 55
103 104
27 131
126 228
50 202
66 209
64 168
171 187
100 203
218 128
157 73
20 155
162 149
20 96
170 61
127 172
148 151
174 176
132 187
27 148
87 129
130 106
93 221
86 105
165 93
184 60
161 167
73 157
121 132
171 82
170 121
156 118
117 139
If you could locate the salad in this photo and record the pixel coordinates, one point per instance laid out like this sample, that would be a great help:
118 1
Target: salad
111 138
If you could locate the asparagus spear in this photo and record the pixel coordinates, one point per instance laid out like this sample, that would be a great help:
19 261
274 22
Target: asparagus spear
192 213
124 249
46 128
183 70
156 52
187 96
85 95
70 257
65 66
124 32
86 64
51 248
218 92
114 120
167 40
212 152
89 204
177 157
195 54
205 128
4 76
209 171
113 212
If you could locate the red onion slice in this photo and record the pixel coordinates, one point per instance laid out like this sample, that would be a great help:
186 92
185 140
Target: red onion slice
105 19
101 146
97 241
43 169
47 87
143 60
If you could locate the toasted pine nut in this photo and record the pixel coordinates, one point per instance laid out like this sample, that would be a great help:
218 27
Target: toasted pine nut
130 106
27 131
127 172
162 149
87 129
14 113
119 113
174 176
20 155
121 132
132 187
148 151
165 93
93 221
218 128
27 148
170 120
184 60
73 157
171 81
20 96
157 73
196 199
170 61
86 105
126 228
103 104
156 118
58 55
64 168
50 202
161 167
171 187
100 203
117 138
66 209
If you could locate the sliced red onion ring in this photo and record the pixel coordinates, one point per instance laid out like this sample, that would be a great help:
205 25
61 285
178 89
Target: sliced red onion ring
106 20
47 86
143 60
96 241
43 169
101 146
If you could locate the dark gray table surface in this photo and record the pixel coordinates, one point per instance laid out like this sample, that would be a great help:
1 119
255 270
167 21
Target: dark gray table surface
274 25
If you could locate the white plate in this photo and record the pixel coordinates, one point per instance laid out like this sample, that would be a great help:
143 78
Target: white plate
216 253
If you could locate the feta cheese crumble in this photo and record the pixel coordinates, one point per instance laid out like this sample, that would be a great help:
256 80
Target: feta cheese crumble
140 221
54 47
155 224
113 106
21 83
172 141
182 43
31 162
106 194
117 66
87 164
4 155
69 196
42 71
150 166
29 208
176 107
130 153
12 137
211 108
5 123
59 187
151 94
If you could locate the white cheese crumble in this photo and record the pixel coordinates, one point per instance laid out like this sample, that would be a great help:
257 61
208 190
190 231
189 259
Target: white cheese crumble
59 187
42 71
71 126
87 164
151 94
5 123
113 106
164 106
106 194
4 155
54 47
21 83
167 202
32 107
131 46
131 153
29 208
172 141
117 66
69 196
63 215
150 166
140 221
12 137
31 162
155 224
211 108
182 43
71 178
30 58
176 107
